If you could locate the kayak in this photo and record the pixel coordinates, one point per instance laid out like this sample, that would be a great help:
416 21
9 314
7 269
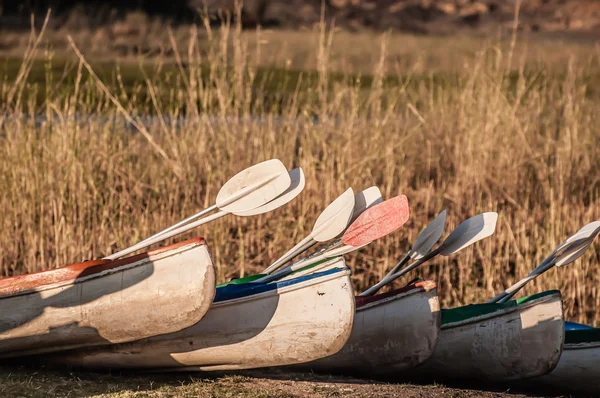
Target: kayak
578 369
105 302
392 332
249 325
499 342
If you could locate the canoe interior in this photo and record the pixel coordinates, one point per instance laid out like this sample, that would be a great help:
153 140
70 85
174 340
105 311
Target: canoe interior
577 334
245 290
478 311
252 278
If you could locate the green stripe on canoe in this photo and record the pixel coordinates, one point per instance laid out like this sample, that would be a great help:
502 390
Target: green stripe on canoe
252 278
474 310
582 336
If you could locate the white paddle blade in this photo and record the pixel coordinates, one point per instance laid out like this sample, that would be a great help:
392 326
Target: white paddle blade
365 199
430 235
332 221
576 248
335 218
584 233
470 231
254 187
298 182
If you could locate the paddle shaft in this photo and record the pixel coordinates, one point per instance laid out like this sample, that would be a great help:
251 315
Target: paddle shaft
167 235
375 288
322 250
304 244
306 262
398 266
181 223
511 291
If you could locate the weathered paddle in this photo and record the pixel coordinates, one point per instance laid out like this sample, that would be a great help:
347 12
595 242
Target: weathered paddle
249 189
425 241
330 223
566 253
362 201
470 231
296 187
374 223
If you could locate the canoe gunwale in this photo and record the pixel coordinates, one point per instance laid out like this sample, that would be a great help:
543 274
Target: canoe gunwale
285 289
112 267
420 287
502 311
581 346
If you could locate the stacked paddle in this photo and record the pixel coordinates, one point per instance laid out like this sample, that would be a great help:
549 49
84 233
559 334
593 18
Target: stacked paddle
256 190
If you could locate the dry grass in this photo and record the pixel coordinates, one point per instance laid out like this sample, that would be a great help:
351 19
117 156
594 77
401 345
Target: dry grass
22 382
523 142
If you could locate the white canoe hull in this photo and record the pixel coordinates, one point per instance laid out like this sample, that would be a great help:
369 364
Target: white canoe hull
578 369
104 302
292 324
506 345
392 332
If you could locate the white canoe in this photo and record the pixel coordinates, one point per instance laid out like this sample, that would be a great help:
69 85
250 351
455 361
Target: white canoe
105 302
248 326
392 332
499 342
578 369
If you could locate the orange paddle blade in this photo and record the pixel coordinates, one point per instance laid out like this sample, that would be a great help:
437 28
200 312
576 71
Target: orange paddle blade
377 221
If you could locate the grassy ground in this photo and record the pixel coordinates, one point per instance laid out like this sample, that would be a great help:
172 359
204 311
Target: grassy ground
20 382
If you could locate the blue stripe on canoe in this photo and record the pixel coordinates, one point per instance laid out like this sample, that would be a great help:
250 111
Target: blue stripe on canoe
231 292
577 326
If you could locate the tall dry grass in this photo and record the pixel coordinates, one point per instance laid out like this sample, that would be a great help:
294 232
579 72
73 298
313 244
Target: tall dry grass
523 142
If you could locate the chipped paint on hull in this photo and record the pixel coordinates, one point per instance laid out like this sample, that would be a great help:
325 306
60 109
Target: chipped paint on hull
525 341
294 324
390 334
109 301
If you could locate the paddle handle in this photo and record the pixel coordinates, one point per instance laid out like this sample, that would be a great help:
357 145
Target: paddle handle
288 255
388 279
167 235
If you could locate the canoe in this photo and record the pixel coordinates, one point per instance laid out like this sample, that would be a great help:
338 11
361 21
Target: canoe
498 342
392 332
106 302
578 369
249 325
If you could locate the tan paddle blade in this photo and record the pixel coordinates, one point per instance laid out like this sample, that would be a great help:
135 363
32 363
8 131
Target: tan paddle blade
298 182
254 187
378 221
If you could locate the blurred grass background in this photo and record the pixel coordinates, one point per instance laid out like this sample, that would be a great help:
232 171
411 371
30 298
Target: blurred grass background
465 124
